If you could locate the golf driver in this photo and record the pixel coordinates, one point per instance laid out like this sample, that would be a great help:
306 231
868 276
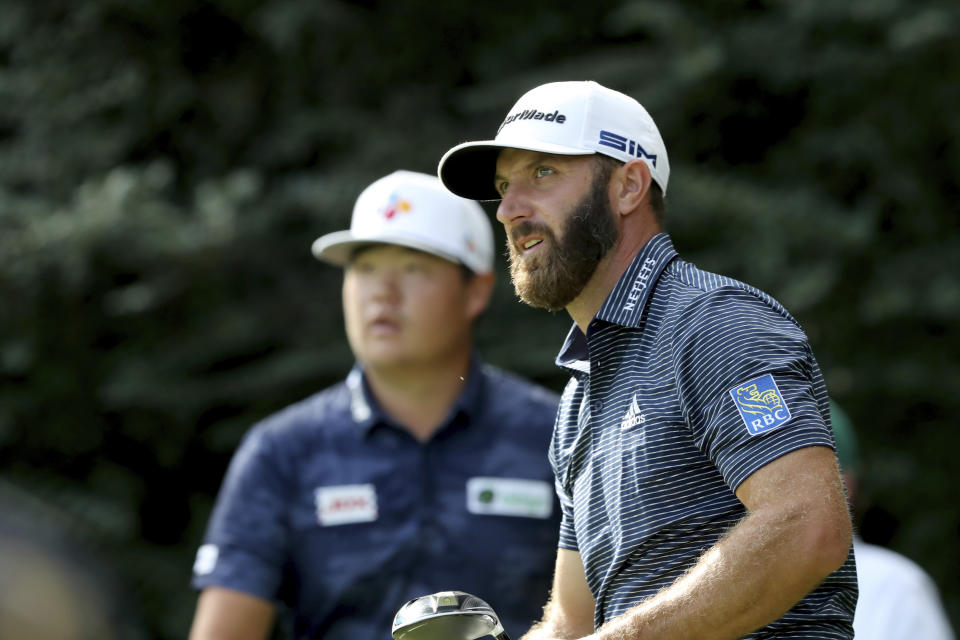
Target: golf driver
447 615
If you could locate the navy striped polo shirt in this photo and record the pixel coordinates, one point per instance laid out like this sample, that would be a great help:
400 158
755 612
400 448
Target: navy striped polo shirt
339 515
686 383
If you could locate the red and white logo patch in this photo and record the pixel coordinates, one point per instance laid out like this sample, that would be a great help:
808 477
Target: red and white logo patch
346 504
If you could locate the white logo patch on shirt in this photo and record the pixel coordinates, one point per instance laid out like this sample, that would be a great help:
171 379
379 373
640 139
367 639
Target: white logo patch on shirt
510 497
346 504
633 415
206 560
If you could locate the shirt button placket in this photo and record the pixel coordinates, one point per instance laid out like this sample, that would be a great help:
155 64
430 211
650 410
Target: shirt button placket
596 403
431 540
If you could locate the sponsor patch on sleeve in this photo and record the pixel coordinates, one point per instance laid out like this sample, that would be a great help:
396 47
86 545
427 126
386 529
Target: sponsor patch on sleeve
206 560
760 404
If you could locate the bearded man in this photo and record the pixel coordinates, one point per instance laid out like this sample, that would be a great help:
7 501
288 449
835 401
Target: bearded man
693 454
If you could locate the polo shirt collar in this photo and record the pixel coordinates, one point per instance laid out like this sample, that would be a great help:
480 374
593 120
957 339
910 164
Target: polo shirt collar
627 302
367 413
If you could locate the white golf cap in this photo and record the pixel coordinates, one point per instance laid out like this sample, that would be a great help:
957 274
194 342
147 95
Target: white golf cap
565 118
413 210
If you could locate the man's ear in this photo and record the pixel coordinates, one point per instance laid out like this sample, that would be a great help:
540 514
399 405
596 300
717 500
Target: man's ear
631 185
479 291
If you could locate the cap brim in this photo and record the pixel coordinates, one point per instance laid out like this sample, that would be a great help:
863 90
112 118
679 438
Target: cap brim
337 248
468 169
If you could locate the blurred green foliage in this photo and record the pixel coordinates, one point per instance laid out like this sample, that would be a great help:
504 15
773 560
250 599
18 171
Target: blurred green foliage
165 166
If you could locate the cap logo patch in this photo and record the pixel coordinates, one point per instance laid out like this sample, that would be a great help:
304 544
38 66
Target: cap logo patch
396 205
534 114
760 404
622 143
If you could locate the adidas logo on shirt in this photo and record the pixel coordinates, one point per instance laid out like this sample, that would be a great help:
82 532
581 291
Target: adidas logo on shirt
633 416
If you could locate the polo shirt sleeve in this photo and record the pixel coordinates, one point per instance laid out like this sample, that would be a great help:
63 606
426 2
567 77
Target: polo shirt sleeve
747 381
568 534
246 540
559 453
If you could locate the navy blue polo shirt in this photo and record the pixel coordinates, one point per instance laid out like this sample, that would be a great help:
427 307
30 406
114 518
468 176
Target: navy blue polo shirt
333 511
685 384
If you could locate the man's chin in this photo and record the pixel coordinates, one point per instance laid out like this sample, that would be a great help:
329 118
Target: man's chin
542 288
386 356
534 296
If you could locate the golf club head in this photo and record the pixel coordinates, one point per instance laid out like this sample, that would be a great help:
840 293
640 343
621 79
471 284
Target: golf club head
447 615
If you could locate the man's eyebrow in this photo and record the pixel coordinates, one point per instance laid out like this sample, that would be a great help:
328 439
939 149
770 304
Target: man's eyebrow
535 160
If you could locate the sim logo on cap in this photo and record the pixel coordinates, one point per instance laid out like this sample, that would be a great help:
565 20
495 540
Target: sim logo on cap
622 143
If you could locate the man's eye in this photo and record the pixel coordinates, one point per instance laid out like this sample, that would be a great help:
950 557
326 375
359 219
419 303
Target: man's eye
543 172
413 267
358 266
501 187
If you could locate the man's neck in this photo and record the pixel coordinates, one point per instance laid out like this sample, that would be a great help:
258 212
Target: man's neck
608 273
419 396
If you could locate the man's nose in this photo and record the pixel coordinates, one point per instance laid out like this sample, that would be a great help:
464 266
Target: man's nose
385 285
513 207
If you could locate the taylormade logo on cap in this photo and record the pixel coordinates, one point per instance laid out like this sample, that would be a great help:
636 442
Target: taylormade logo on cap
533 114
564 118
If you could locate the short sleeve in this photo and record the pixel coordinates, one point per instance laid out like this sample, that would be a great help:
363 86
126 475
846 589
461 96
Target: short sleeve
749 386
245 546
559 453
568 535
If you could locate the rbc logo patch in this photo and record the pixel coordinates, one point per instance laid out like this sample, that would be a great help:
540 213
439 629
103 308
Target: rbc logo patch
760 404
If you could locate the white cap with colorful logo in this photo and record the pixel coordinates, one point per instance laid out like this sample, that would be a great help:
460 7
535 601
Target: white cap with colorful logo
413 210
565 118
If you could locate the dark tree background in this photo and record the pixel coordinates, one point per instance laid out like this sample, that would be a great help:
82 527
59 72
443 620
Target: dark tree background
164 167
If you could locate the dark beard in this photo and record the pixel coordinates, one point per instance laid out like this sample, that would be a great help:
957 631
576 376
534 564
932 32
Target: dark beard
554 279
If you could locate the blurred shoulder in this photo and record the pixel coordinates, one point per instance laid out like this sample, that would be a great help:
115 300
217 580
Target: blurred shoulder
325 410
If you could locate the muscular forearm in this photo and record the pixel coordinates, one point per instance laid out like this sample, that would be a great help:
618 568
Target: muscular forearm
569 611
225 614
750 578
556 626
542 631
